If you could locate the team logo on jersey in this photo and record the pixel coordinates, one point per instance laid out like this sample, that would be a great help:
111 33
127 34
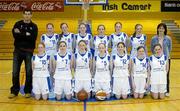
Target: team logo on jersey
161 62
141 42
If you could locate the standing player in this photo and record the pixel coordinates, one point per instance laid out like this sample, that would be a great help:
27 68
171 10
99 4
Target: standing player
118 36
83 68
62 65
140 73
121 72
166 43
101 38
67 37
83 35
102 70
40 66
50 40
159 68
137 39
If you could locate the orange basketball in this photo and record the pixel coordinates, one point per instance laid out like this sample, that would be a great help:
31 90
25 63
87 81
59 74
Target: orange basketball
100 95
82 95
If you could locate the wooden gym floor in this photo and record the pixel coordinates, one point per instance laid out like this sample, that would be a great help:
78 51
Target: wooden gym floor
171 103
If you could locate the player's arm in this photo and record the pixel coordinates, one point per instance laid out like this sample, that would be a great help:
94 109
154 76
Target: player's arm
53 64
167 65
72 63
132 73
148 75
94 67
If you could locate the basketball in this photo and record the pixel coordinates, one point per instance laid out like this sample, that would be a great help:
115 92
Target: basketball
82 95
100 95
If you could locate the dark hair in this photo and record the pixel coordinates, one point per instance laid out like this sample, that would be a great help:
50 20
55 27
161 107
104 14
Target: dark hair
49 24
134 34
140 47
63 24
117 23
157 45
61 43
82 24
27 10
82 41
100 26
121 43
164 26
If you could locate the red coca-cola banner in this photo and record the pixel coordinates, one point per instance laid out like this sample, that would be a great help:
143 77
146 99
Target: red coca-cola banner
16 6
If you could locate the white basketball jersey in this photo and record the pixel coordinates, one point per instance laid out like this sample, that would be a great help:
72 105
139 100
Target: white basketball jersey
121 64
82 68
86 38
69 39
41 64
102 72
98 40
140 67
50 43
158 69
122 37
136 42
63 64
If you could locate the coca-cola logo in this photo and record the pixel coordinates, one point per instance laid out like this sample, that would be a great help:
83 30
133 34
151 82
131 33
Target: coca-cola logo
35 6
11 6
42 6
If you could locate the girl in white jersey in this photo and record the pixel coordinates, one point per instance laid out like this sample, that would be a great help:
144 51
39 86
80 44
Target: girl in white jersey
100 38
159 68
102 67
40 67
83 68
50 39
121 72
118 36
83 35
62 65
137 39
140 73
67 37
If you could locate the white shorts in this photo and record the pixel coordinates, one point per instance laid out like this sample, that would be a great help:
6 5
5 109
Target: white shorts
82 84
158 88
140 83
121 86
62 86
40 85
105 86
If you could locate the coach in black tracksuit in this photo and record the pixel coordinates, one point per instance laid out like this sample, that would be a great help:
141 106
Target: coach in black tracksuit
25 35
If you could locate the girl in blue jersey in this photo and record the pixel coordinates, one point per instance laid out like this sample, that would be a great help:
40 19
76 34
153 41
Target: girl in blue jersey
121 72
140 73
62 65
40 67
118 36
159 68
137 39
83 68
102 67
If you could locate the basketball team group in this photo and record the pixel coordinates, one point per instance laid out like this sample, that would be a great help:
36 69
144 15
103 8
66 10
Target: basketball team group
68 63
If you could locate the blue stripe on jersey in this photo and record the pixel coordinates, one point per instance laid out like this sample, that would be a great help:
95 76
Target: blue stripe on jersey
94 38
42 38
76 37
72 36
89 37
95 58
48 57
150 58
128 57
131 38
75 55
89 55
108 38
69 57
124 35
165 57
49 83
144 37
112 37
134 60
108 58
33 58
147 60
55 57
114 57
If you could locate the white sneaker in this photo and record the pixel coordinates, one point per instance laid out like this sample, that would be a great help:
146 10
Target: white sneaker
167 94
